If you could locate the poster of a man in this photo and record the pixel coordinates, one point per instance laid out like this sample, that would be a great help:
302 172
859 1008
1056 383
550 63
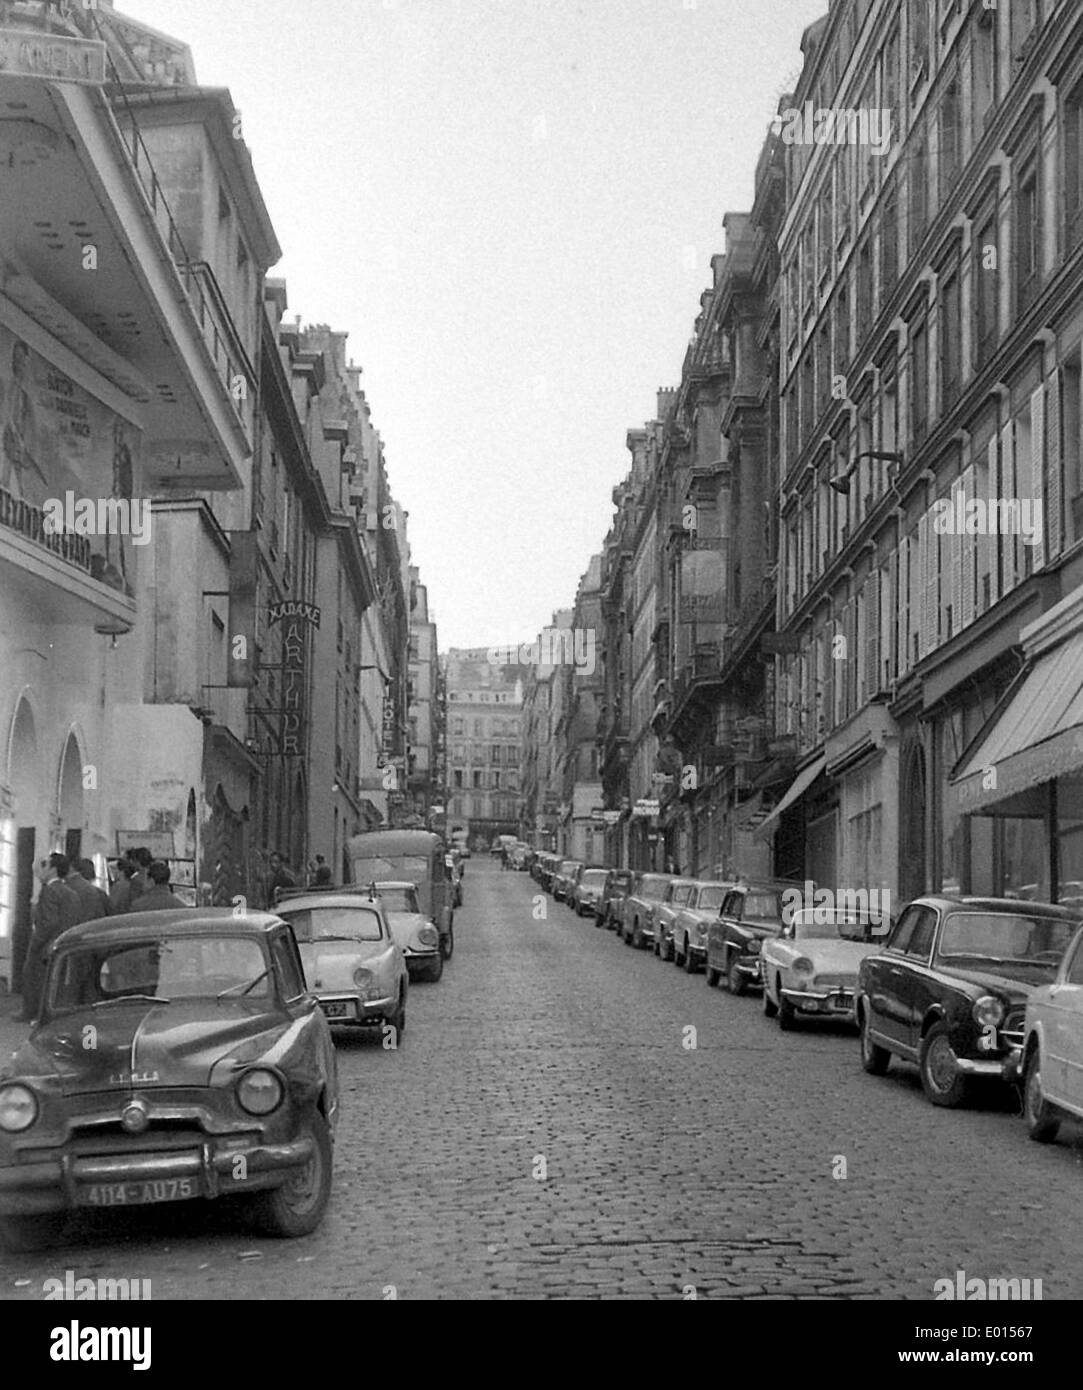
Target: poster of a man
21 473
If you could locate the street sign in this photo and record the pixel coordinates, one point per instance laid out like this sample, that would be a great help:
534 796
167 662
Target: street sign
645 807
661 779
611 817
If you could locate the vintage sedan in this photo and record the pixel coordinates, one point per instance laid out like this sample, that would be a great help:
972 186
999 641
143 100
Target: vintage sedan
637 913
586 893
608 912
414 932
749 913
564 877
693 922
1052 1056
178 1055
353 964
810 967
949 989
678 891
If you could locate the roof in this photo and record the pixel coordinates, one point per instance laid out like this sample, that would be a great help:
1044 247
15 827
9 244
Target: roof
330 898
395 841
171 921
1018 905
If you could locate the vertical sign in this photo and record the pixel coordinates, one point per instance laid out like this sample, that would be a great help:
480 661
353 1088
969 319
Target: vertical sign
296 618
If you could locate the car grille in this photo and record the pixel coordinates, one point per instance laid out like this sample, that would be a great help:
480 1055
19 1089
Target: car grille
1011 1030
834 981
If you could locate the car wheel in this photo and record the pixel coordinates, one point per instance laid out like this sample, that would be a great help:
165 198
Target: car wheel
1041 1118
297 1207
598 921
787 1014
713 976
435 968
874 1058
770 1008
447 943
941 1081
398 1018
734 979
22 1235
691 965
676 957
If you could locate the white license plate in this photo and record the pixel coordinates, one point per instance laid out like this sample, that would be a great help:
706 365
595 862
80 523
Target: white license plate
337 1009
137 1194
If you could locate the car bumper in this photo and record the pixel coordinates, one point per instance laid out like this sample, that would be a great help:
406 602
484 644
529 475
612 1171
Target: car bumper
749 967
67 1181
839 1003
351 1008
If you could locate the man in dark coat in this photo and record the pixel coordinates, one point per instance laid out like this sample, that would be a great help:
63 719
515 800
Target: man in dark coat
157 895
93 902
141 857
120 895
56 909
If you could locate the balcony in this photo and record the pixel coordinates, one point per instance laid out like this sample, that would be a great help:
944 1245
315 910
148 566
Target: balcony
698 683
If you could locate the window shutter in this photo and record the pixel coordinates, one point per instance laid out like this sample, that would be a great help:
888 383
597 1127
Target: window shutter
1037 489
915 559
1054 522
968 547
872 634
829 676
853 658
1007 490
818 688
887 625
926 622
956 549
990 541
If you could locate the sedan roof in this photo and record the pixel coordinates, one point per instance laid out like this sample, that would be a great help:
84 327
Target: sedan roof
172 921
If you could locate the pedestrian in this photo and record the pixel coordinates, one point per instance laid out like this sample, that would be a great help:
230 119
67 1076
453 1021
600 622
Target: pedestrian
323 877
142 858
56 909
281 876
83 883
503 856
158 896
315 870
120 895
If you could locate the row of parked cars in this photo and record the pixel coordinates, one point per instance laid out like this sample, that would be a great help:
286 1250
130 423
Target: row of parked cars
188 1053
967 989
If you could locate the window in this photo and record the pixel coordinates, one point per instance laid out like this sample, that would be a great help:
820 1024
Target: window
288 964
889 240
920 940
919 375
825 218
985 279
919 15
476 780
889 406
983 70
458 776
950 336
904 929
808 270
1024 17
1073 168
1072 425
864 287
1028 232
842 332
919 186
951 137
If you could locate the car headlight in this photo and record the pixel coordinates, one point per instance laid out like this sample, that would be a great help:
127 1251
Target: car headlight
18 1108
803 966
363 979
259 1091
428 936
753 946
701 931
988 1010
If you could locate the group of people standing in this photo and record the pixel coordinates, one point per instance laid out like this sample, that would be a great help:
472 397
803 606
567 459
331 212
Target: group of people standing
70 894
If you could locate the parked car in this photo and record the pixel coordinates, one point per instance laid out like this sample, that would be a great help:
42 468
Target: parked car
587 890
678 891
608 911
749 912
1052 1056
637 914
548 865
564 877
209 1049
414 856
693 921
810 967
419 939
353 964
949 989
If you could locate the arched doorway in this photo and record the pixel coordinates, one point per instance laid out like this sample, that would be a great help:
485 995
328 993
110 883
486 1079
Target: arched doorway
27 811
70 810
912 868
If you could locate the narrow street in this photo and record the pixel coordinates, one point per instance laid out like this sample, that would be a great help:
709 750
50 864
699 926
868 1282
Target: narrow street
665 1167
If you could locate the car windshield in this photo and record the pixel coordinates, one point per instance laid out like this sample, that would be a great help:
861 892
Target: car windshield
335 924
593 877
711 897
653 886
402 866
761 907
568 866
398 899
810 926
166 969
1006 937
621 880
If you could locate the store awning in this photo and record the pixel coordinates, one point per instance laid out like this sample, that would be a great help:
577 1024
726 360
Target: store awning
797 788
1035 736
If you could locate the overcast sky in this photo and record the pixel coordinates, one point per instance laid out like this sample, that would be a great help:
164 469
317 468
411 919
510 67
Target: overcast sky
511 206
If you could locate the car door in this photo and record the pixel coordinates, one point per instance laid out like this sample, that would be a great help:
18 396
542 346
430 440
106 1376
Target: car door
776 956
729 912
886 980
918 988
1062 1064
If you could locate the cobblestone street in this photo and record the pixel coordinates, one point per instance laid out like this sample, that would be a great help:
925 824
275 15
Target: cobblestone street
550 1047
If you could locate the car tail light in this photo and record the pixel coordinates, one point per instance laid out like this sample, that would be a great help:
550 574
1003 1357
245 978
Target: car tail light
18 1108
259 1091
428 936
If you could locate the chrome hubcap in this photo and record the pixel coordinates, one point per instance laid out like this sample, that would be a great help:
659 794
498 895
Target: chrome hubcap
940 1064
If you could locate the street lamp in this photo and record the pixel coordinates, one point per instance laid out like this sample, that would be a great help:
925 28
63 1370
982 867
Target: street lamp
841 481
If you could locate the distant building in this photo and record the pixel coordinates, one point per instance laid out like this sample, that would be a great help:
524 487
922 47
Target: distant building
484 735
